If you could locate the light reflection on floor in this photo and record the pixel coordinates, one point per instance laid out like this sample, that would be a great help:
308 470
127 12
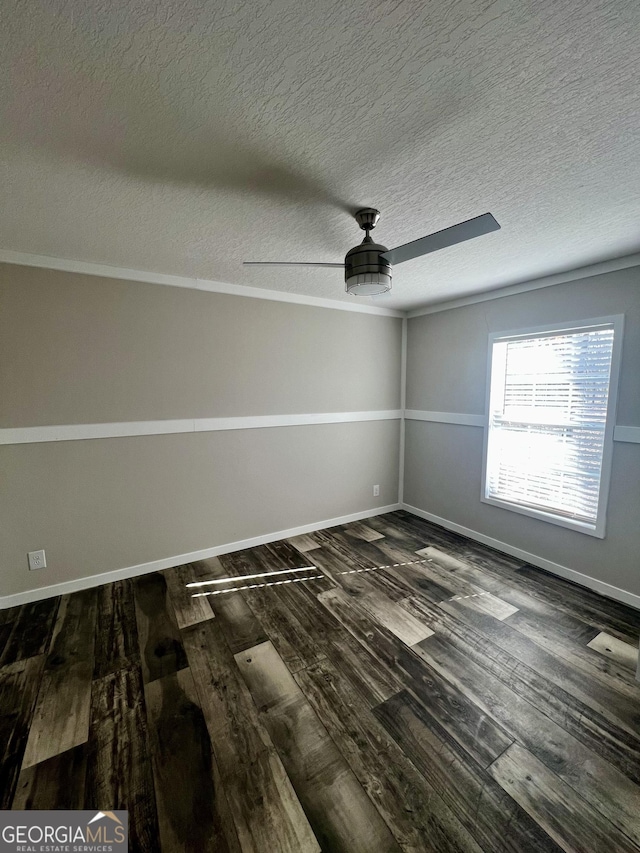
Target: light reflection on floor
288 580
259 585
251 577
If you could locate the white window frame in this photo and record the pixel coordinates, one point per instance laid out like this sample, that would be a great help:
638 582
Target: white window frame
597 530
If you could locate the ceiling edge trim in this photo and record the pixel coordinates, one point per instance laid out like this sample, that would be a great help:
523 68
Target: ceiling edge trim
26 259
534 284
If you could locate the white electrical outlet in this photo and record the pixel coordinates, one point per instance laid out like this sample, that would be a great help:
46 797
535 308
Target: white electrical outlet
37 560
376 491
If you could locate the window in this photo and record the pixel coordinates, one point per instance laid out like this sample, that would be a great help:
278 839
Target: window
550 423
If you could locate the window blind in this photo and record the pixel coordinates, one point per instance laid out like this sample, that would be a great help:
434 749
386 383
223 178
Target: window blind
547 418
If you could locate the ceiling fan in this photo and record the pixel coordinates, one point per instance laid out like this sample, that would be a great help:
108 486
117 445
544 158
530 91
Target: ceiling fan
367 267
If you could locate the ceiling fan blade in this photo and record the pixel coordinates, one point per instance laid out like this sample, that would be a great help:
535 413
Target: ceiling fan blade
475 227
288 264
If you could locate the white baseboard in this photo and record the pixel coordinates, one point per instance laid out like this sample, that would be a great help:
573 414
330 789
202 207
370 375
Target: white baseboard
179 560
594 584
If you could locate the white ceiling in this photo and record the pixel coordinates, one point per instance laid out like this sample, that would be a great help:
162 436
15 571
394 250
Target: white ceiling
185 137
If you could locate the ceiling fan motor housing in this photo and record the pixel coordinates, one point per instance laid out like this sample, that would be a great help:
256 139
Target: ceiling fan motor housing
366 273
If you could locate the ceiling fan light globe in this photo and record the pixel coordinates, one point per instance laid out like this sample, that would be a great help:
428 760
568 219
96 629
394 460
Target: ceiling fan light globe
368 284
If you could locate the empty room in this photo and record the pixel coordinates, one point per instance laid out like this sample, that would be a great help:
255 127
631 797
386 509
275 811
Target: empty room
319 426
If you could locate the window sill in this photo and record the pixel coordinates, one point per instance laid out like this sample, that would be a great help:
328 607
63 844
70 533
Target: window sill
596 530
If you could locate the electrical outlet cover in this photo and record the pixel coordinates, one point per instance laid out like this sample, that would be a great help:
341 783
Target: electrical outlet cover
37 560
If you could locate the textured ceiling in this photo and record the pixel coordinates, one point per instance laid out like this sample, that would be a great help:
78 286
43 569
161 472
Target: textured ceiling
185 137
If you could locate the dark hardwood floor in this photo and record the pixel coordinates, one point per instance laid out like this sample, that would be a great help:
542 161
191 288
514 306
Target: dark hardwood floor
405 689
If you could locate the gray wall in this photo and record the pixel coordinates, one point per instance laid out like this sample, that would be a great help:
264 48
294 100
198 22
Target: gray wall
446 372
82 349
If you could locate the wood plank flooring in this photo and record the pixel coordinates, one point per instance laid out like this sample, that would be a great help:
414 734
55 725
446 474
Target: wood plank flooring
385 685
